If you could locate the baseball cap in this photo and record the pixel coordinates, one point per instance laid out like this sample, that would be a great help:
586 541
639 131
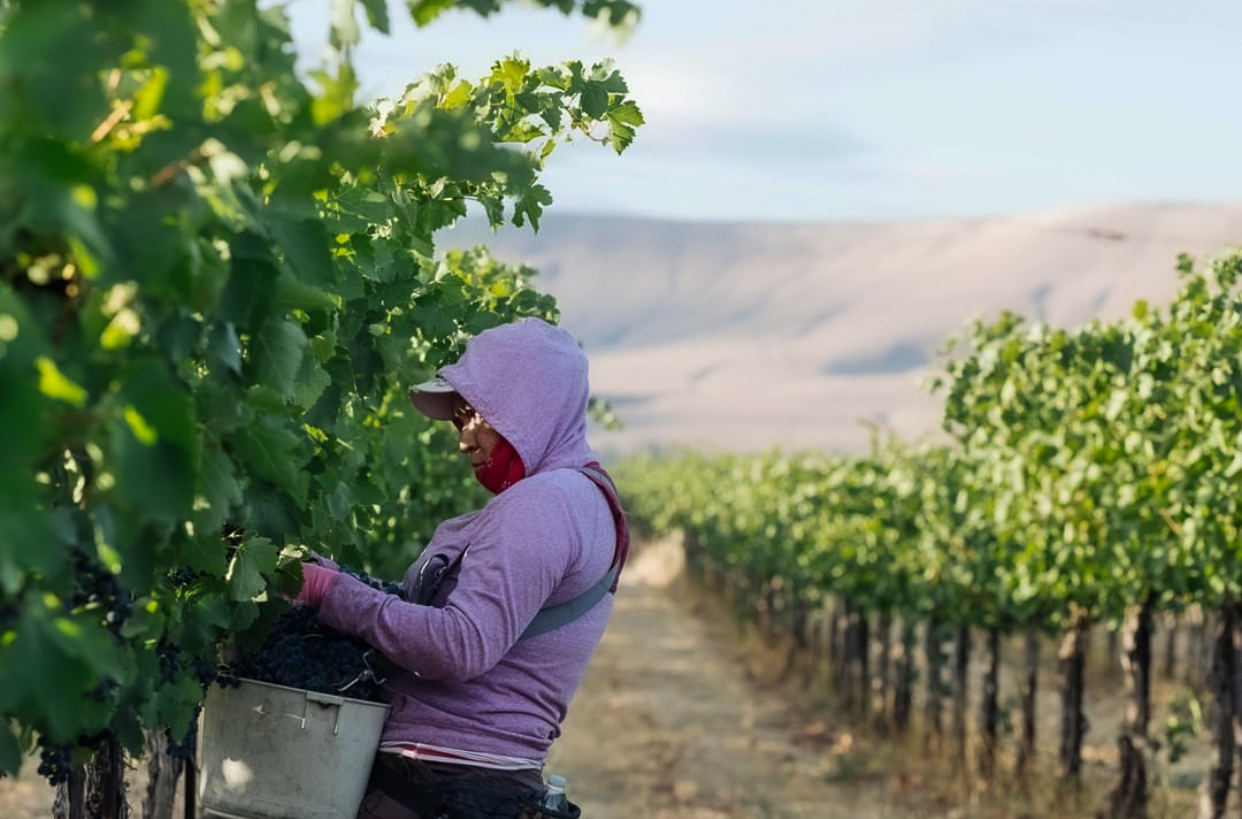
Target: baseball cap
434 398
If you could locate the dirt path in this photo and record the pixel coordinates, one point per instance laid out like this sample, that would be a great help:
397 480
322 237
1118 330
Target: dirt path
675 719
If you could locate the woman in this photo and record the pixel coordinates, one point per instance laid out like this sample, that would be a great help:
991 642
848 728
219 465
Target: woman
485 680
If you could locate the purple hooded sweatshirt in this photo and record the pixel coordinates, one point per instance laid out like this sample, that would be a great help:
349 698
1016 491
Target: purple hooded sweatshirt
469 682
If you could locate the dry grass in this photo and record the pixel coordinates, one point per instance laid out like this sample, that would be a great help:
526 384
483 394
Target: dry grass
927 778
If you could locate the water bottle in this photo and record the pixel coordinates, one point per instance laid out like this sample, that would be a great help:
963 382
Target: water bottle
554 798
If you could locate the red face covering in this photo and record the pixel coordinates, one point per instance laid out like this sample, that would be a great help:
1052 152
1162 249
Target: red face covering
502 470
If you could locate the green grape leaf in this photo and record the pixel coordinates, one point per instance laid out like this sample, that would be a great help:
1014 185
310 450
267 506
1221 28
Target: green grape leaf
377 14
174 705
248 294
10 750
357 210
494 207
276 352
425 12
306 247
162 403
339 503
343 30
206 553
312 380
274 453
155 476
323 346
219 489
60 657
511 73
271 511
254 558
225 347
147 622
292 293
623 119
530 206
594 100
243 617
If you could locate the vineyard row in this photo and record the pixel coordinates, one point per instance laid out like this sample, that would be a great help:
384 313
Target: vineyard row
1087 476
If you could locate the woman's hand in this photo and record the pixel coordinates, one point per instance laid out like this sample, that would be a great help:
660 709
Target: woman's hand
316 580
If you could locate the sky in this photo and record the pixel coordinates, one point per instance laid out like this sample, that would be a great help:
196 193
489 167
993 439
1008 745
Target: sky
865 110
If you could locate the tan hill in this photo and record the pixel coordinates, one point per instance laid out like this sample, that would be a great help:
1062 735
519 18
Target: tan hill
744 336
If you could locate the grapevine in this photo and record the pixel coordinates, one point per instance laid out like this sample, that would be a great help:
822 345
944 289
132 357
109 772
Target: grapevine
1089 478
218 277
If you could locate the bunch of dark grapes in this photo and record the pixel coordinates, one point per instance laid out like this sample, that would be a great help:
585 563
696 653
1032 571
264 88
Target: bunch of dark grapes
186 746
169 654
301 652
206 671
386 586
170 661
55 760
98 588
185 576
106 686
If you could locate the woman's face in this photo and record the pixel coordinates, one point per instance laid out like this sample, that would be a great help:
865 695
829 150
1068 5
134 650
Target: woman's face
478 439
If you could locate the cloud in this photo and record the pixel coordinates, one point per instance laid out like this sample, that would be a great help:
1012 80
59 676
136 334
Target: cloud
874 108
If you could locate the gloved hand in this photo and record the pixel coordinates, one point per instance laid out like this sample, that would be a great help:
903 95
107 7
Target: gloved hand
316 580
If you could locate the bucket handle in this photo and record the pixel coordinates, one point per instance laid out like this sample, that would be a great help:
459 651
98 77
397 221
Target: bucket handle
328 700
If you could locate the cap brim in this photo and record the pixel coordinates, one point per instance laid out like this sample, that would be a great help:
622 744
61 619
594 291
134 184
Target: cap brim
434 399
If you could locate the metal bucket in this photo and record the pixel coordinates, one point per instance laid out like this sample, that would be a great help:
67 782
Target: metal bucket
272 752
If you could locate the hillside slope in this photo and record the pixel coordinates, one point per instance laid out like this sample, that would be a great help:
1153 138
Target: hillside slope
746 336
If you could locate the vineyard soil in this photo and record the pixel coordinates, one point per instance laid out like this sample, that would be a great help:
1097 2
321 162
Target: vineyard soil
677 718
680 717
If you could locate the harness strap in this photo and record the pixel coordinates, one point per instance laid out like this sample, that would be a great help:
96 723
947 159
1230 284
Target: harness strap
553 617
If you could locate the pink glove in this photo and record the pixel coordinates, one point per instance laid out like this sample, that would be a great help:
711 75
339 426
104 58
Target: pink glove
316 580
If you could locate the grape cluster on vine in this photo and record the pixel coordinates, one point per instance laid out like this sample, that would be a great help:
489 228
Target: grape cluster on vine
56 758
206 671
171 663
106 686
185 747
169 656
98 588
184 576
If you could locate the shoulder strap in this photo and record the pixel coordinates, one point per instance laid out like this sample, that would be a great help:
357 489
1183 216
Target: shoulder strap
604 481
553 617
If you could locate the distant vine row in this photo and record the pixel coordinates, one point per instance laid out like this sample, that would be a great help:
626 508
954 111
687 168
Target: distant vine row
1088 476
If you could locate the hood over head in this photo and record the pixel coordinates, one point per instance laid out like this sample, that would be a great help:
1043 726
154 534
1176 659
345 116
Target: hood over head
529 381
